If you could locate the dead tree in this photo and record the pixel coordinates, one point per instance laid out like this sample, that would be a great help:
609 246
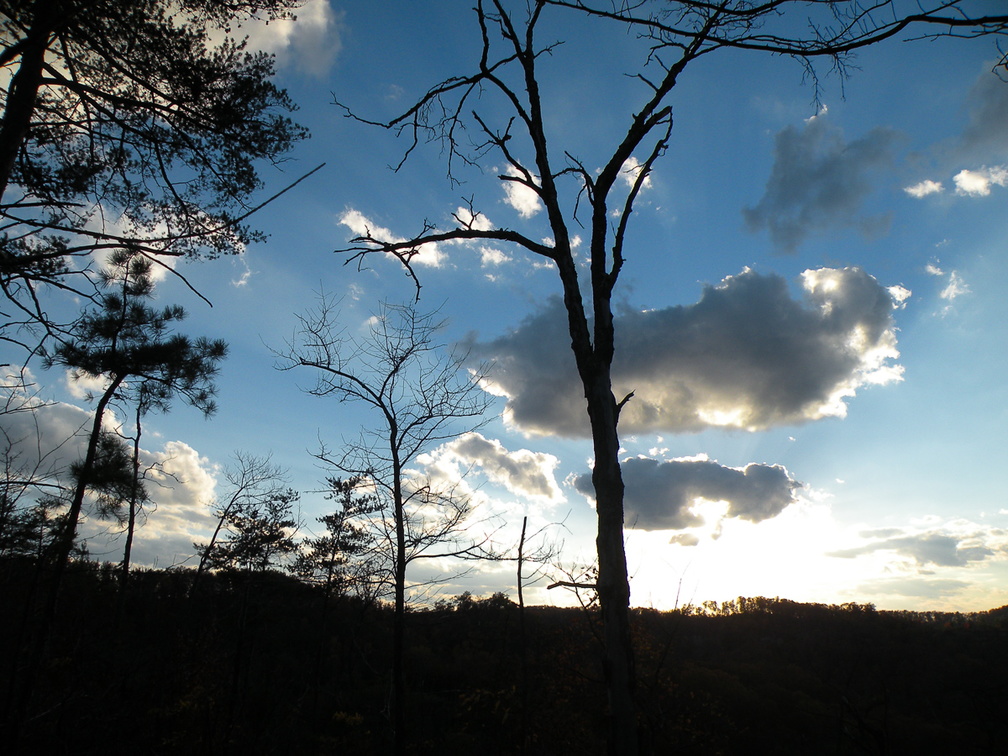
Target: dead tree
507 73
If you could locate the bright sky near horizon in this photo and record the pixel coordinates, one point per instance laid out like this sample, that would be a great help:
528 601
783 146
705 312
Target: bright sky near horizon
811 316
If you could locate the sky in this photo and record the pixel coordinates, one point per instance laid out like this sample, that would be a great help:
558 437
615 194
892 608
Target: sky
811 318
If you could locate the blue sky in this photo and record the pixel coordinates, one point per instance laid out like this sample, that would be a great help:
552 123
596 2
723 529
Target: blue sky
811 314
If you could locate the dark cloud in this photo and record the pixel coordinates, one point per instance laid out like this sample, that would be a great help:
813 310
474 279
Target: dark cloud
985 137
972 162
939 549
746 355
660 495
819 182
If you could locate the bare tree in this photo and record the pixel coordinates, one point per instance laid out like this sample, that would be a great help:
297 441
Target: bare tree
576 196
257 492
421 395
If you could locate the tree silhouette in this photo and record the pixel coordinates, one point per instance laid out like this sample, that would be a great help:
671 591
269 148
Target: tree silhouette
122 340
257 533
575 195
421 395
126 339
123 125
341 559
253 517
111 479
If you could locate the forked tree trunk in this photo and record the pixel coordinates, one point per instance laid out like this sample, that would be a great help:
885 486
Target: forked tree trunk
594 362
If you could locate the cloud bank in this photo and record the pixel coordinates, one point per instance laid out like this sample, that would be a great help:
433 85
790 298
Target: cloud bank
43 440
932 548
660 494
747 355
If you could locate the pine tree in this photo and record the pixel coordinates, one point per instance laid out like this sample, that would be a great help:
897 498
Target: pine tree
124 125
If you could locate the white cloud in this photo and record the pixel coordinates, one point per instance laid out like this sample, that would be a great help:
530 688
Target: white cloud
309 44
427 254
121 226
524 473
900 295
978 183
242 281
181 484
956 288
82 386
468 219
924 188
823 110
519 196
491 256
631 169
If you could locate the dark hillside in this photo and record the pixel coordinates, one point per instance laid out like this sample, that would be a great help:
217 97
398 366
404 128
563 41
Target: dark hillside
249 663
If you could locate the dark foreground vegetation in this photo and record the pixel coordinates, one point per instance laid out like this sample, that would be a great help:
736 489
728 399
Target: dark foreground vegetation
260 663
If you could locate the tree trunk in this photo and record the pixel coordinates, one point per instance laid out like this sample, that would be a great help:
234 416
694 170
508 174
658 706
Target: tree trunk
594 363
613 586
65 543
399 619
205 556
23 88
131 523
523 654
61 555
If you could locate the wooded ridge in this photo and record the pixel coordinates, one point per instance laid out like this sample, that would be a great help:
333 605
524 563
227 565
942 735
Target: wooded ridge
260 663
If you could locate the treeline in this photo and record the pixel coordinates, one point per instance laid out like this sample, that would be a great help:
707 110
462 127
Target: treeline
259 662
